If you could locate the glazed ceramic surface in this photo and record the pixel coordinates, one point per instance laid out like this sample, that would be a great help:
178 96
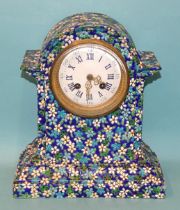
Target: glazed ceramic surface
75 156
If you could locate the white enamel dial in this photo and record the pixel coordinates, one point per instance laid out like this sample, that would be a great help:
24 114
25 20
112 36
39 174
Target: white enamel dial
90 74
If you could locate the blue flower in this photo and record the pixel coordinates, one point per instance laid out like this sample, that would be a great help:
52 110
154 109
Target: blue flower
142 172
59 195
115 146
100 191
90 133
80 145
89 192
67 155
78 133
48 148
84 159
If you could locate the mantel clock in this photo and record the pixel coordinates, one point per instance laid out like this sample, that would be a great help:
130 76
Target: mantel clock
90 81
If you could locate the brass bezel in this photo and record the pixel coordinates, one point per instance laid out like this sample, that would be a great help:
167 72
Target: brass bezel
89 111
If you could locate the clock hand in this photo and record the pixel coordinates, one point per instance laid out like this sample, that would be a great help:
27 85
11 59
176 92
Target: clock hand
88 86
98 81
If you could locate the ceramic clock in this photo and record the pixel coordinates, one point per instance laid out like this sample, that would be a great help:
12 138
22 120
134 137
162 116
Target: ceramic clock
90 82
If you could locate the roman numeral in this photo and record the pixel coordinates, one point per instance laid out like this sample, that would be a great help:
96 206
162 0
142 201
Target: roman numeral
90 56
110 76
108 86
100 59
71 86
71 67
108 66
100 94
69 77
79 59
89 97
79 93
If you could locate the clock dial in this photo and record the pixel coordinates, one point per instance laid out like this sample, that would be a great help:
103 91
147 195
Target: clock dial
90 76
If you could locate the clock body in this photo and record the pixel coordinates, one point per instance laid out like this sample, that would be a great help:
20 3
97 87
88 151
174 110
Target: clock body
90 82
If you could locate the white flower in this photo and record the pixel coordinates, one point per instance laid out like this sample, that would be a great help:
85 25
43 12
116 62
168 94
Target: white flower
111 170
102 148
123 193
77 187
71 195
95 158
107 159
108 128
69 116
110 30
65 139
58 127
140 89
22 177
35 173
95 195
141 64
47 193
116 137
64 46
120 170
42 66
108 195
96 37
90 183
82 123
26 185
88 142
133 82
113 185
48 141
124 42
133 185
138 136
124 176
145 182
44 181
133 168
42 169
69 39
147 170
71 128
122 151
52 113
128 125
62 188
101 137
78 139
146 195
54 150
56 176
85 150
96 123
40 88
34 193
71 147
42 104
50 57
160 195
114 119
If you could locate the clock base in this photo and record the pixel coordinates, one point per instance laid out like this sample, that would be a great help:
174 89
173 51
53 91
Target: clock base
38 177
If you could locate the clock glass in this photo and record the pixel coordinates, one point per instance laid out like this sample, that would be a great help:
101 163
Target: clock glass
91 76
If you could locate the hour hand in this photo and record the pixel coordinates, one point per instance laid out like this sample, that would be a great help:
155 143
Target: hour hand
97 80
88 86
